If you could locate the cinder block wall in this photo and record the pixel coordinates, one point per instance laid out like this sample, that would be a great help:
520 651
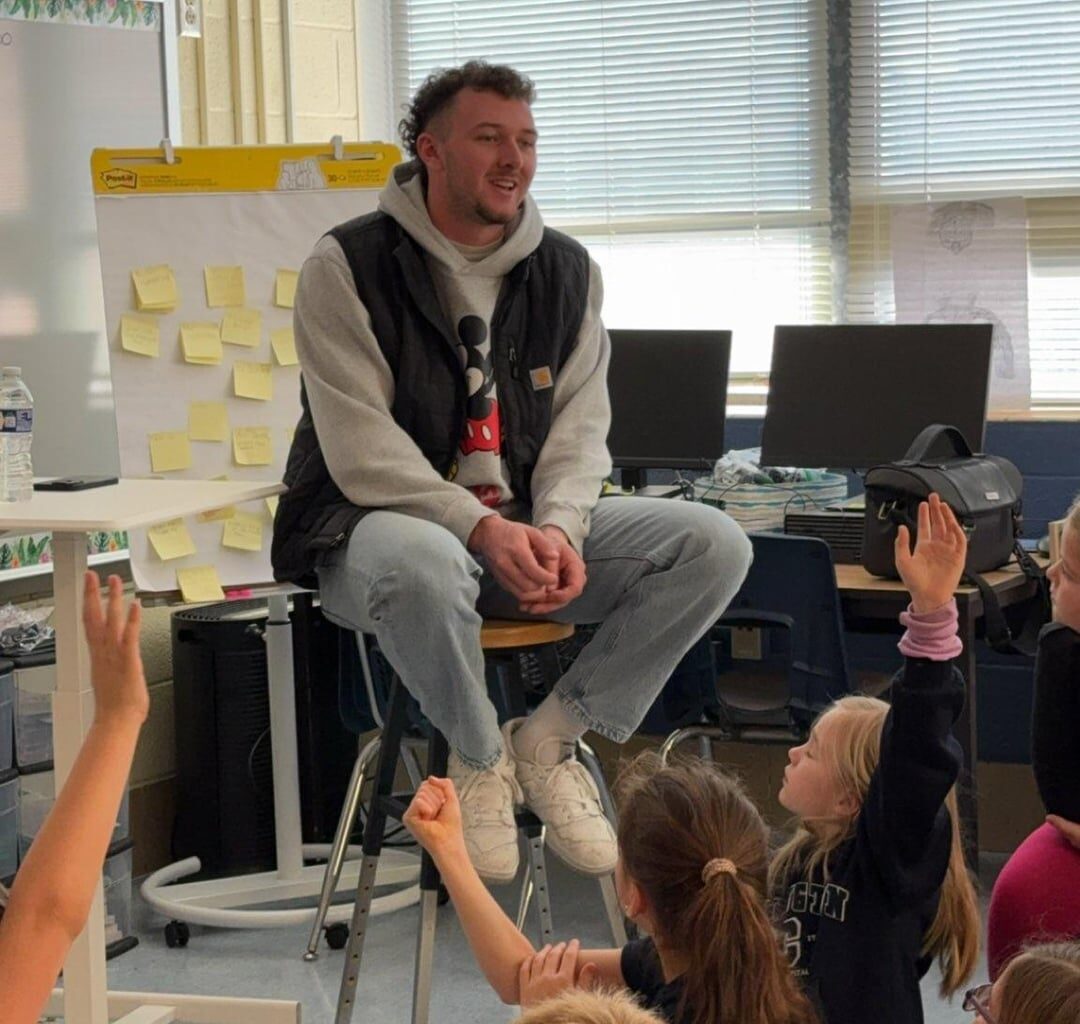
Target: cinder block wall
233 80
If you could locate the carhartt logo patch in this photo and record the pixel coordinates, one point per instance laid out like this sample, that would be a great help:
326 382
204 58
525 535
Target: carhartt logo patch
541 378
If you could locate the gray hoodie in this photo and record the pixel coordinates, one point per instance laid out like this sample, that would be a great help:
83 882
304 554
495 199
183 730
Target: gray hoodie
351 389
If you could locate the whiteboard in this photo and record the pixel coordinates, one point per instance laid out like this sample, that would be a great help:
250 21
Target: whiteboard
260 232
65 88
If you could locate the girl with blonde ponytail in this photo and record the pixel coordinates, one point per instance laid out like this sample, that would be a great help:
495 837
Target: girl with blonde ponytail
692 873
873 885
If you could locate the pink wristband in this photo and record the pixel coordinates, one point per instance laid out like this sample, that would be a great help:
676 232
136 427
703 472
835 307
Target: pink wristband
932 634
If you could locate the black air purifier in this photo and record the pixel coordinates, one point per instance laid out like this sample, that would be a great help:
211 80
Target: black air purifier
225 790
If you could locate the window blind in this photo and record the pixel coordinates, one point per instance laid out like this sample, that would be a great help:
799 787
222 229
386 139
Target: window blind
662 122
964 100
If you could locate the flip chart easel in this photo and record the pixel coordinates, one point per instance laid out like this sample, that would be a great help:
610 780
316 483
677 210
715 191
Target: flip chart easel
199 248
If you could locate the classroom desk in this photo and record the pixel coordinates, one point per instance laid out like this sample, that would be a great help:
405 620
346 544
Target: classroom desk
70 516
865 597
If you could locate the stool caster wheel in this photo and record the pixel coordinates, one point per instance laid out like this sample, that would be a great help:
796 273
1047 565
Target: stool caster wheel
444 896
177 933
337 935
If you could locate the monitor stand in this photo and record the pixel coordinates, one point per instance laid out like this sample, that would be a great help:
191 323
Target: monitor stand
633 479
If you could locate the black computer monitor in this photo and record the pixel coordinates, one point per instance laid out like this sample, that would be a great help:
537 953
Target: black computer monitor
668 399
853 396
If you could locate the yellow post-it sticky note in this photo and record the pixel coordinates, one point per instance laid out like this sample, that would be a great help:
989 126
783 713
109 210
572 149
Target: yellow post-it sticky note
285 288
284 345
140 334
208 421
271 505
171 540
155 287
169 450
201 343
243 531
252 447
253 380
242 327
200 583
224 286
216 514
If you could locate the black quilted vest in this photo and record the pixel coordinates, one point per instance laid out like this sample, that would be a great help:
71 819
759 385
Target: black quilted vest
535 324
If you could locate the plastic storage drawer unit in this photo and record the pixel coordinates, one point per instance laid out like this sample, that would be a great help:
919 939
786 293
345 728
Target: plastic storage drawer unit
117 885
7 715
9 812
35 680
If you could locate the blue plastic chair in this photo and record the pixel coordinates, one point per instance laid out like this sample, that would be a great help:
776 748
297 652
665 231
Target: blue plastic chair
779 647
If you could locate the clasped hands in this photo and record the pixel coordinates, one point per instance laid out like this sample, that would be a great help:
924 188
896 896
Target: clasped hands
539 566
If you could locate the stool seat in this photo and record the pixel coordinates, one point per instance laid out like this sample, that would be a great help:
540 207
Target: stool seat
500 634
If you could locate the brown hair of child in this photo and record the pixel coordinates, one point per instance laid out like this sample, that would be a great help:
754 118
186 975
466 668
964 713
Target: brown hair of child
695 844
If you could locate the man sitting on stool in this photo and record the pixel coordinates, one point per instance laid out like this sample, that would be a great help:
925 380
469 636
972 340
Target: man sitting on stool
450 455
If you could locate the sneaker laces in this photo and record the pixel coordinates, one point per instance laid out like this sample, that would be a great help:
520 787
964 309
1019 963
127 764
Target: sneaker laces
486 805
565 783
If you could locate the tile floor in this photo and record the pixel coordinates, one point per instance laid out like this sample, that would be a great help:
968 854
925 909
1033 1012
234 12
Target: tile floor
268 963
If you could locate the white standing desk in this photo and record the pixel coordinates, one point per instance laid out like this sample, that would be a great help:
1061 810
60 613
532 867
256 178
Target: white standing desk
70 516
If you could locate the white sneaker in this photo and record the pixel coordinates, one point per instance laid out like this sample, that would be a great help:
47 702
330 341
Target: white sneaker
487 800
565 798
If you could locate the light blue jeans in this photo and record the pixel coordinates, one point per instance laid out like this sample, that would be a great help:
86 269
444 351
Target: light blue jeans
659 573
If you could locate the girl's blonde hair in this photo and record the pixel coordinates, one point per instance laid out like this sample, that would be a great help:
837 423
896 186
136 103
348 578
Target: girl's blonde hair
1042 986
673 821
852 753
1072 517
575 1006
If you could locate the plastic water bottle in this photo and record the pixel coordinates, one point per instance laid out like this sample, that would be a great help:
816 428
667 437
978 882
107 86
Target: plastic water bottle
16 433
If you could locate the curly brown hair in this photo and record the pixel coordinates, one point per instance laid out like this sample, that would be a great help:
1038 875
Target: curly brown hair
440 87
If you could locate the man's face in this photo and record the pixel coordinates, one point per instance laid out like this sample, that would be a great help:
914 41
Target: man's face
1064 576
481 157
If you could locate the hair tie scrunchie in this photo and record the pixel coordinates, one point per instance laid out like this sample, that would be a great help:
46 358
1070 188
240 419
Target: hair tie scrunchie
718 866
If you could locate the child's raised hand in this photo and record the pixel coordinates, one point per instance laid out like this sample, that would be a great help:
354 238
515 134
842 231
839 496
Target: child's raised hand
434 816
116 670
932 571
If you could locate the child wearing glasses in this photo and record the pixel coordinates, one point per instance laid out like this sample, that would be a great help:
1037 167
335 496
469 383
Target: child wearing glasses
1040 986
1037 895
49 902
873 886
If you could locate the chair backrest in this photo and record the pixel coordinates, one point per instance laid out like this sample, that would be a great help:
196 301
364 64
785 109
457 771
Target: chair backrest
790 595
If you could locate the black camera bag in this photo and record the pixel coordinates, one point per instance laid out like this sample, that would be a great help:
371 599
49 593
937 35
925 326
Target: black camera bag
984 491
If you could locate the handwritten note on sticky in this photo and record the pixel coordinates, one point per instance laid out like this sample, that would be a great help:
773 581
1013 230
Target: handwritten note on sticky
200 583
169 451
243 531
208 421
271 505
284 345
253 380
216 514
242 327
201 343
171 540
155 287
285 288
251 446
140 334
224 286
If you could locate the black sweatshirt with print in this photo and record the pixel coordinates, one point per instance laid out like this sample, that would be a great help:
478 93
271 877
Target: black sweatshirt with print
855 937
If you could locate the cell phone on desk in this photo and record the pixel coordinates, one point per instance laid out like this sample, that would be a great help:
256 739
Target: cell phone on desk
74 483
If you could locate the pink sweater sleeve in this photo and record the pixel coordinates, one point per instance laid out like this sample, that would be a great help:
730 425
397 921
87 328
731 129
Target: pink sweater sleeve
931 635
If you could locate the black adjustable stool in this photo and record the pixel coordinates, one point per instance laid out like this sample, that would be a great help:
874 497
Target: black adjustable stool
503 643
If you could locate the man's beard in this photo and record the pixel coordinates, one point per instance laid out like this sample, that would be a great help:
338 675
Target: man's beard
489 216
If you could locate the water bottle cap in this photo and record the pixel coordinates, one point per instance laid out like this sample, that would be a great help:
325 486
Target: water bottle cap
12 371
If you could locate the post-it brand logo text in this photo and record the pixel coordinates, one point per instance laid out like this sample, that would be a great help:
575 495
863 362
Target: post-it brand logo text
120 177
